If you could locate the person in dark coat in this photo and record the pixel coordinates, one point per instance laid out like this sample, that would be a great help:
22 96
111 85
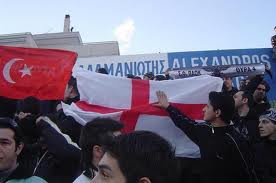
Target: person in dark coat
265 151
245 119
224 152
228 87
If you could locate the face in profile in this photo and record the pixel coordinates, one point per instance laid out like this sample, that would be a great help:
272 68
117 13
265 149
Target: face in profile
109 171
266 127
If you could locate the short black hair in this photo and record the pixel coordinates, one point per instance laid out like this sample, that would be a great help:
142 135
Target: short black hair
225 103
29 105
11 124
263 82
247 94
102 71
131 76
73 82
160 78
145 154
150 75
96 132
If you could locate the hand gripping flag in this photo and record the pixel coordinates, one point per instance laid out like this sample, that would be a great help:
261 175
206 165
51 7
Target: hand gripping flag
42 73
130 101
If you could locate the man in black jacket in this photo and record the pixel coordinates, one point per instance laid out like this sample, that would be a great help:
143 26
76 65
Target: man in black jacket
265 151
245 119
223 150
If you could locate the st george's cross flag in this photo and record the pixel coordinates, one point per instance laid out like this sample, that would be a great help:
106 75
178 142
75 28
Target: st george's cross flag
130 101
41 73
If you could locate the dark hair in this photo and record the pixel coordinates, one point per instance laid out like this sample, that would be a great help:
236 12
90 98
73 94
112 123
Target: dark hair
137 77
11 124
263 82
102 71
73 82
131 76
150 75
249 96
145 154
29 105
225 103
160 78
96 132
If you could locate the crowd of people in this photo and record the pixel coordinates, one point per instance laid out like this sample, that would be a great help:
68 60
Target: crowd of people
237 141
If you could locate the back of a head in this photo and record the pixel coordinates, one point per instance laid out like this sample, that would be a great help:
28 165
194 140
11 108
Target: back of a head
29 105
160 78
144 154
73 82
150 75
225 103
96 132
102 71
247 94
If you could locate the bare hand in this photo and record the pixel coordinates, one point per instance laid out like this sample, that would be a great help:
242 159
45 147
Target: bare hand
23 115
59 107
162 100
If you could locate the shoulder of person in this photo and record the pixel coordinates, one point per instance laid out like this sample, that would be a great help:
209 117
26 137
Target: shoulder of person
32 179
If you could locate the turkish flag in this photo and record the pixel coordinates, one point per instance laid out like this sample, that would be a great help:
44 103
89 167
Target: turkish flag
41 73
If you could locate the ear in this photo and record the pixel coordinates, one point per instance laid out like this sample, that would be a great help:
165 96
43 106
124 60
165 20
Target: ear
144 180
97 151
245 100
19 148
218 113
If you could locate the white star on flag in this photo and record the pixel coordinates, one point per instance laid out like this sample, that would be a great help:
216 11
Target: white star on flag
26 71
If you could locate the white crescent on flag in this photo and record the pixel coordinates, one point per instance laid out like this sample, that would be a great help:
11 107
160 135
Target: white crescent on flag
130 101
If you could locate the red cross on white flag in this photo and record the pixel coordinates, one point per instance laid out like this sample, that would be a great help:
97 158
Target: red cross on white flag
130 101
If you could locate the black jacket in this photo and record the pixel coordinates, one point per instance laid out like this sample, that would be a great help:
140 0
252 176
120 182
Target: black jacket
248 126
221 160
261 108
265 161
55 159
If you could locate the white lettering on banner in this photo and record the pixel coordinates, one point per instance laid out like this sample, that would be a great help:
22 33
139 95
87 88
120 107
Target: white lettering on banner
193 62
223 60
175 63
215 61
204 61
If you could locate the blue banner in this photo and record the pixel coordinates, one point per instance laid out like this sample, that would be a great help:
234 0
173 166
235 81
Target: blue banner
180 60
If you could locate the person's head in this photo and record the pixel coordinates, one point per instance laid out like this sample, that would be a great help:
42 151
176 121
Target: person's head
130 76
11 143
141 157
148 76
29 105
275 28
137 77
267 125
94 135
227 82
102 71
260 92
220 106
243 98
71 90
159 78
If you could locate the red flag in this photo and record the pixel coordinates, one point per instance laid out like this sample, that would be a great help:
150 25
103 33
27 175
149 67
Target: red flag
42 73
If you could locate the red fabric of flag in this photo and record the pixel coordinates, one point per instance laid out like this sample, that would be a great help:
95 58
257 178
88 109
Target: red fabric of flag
42 73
